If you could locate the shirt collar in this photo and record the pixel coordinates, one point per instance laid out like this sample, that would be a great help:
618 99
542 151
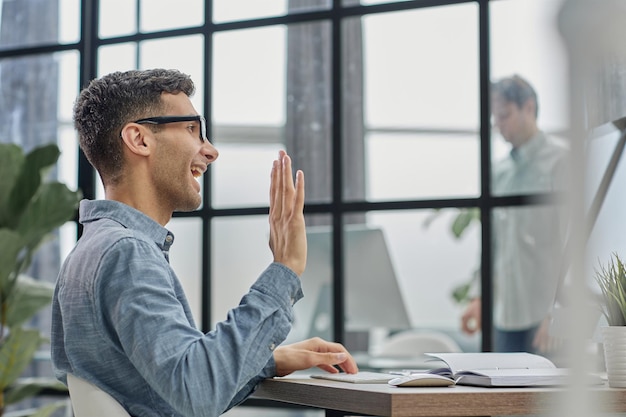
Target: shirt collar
130 218
529 149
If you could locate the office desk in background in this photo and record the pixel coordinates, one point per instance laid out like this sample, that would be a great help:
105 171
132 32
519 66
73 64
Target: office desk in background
340 399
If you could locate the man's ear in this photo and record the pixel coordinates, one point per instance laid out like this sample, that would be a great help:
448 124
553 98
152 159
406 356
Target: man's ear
530 107
136 138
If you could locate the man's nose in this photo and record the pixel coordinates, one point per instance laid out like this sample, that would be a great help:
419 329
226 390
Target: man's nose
210 151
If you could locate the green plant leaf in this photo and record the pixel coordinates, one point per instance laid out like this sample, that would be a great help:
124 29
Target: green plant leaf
16 353
27 387
29 178
50 207
460 293
11 244
30 209
11 162
47 410
434 215
27 297
463 220
611 279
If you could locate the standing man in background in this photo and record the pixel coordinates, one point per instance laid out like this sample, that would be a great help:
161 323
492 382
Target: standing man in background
527 240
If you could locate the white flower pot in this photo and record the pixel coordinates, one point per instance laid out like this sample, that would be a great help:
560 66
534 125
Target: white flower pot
614 339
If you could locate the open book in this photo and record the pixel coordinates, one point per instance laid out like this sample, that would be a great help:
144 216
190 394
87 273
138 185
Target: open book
488 369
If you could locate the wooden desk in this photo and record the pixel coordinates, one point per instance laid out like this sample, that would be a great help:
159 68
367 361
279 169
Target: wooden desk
340 398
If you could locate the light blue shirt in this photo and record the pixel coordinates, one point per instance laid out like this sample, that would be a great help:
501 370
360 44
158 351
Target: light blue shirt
121 321
528 240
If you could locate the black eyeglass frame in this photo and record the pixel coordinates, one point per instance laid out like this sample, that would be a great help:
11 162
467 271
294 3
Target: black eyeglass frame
161 120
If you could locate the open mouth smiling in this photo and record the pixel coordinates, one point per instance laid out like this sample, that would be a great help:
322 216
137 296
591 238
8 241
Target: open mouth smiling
196 172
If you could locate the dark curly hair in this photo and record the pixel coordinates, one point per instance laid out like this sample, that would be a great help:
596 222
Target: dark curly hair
108 103
517 90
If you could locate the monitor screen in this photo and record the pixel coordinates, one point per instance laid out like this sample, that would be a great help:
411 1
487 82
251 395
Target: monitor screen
372 295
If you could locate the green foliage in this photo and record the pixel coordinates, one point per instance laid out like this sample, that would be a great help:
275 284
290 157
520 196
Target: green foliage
28 297
464 218
47 410
462 292
612 281
16 352
25 388
30 209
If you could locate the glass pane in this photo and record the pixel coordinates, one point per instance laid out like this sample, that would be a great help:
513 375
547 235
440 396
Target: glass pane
165 14
538 56
527 259
233 10
397 277
238 95
308 124
67 164
313 314
69 21
68 84
185 53
68 160
370 279
420 109
530 104
405 165
436 84
33 22
117 57
37 95
32 97
117 18
232 277
186 260
368 2
606 238
603 240
287 110
243 167
420 246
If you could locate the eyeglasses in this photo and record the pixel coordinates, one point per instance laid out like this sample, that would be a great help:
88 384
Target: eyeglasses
161 120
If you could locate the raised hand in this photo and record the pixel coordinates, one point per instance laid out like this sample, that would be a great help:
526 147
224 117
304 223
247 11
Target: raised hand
286 217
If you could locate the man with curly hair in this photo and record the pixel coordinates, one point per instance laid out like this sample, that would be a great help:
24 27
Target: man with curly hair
120 318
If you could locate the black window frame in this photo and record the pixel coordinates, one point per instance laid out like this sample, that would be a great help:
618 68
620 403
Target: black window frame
88 45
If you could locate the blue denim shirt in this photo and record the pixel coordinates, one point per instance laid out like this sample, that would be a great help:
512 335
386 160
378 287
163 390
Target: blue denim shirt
120 320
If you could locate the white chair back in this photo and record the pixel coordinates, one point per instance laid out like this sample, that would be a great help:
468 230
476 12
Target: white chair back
90 401
415 342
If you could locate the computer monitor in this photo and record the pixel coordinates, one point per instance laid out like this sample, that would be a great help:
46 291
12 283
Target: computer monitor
372 295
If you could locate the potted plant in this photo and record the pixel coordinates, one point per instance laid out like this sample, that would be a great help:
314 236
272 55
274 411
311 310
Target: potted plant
611 279
30 209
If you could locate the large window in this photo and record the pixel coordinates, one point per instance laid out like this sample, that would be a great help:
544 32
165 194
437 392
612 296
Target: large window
383 104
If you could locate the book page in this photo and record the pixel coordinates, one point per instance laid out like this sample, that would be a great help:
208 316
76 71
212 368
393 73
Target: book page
515 377
492 360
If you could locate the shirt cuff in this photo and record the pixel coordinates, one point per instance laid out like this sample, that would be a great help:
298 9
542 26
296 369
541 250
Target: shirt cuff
276 279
